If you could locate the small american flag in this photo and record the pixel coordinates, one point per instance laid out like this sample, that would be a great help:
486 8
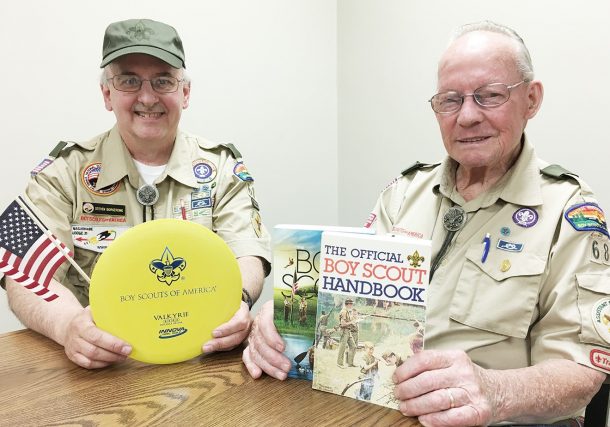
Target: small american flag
295 283
27 254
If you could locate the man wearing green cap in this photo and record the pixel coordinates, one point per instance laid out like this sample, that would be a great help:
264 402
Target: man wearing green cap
143 168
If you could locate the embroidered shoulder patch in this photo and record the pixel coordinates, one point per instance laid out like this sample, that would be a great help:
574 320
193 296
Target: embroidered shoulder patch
587 217
43 164
241 172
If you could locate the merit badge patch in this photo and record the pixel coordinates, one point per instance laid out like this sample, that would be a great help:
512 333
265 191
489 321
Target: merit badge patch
95 238
242 173
89 178
204 170
525 217
587 217
601 318
600 358
505 245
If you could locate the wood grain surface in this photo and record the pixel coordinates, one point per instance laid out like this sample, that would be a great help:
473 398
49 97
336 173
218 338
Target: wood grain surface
40 386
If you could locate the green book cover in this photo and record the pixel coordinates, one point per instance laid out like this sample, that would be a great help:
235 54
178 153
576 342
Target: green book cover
296 266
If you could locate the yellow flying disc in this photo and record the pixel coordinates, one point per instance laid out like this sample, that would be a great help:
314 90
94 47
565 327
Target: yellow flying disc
163 286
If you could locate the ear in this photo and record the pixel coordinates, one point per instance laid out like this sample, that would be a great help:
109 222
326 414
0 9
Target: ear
106 94
186 92
535 93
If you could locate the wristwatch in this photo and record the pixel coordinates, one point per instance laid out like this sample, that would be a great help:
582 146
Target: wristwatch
245 297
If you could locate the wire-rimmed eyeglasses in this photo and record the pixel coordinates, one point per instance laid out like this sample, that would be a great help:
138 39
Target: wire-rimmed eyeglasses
490 95
131 83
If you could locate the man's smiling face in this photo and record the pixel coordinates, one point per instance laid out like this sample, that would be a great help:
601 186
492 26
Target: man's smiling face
145 116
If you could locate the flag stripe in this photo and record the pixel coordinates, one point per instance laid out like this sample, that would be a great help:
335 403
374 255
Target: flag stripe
27 254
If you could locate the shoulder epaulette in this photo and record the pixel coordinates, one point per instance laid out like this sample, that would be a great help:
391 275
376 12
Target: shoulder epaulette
558 172
209 145
55 152
61 145
417 166
232 149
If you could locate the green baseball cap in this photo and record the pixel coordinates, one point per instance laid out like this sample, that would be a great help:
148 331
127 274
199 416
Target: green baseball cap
143 36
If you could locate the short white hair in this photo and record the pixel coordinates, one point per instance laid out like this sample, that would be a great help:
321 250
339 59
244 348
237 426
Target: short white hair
522 55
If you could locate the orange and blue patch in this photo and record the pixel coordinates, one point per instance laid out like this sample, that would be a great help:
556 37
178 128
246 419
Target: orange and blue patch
241 172
587 217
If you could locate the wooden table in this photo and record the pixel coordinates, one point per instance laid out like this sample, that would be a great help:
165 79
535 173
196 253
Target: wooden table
40 386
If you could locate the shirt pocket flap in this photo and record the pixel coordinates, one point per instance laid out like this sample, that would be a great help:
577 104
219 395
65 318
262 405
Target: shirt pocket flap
502 302
521 263
594 282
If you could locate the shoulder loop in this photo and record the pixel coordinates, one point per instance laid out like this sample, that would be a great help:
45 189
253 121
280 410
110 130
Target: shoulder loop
558 172
233 150
61 145
417 166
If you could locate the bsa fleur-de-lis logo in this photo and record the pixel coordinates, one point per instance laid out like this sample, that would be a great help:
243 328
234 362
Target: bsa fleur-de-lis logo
415 260
140 32
167 268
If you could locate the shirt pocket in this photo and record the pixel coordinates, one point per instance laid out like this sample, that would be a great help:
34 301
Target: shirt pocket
497 301
592 288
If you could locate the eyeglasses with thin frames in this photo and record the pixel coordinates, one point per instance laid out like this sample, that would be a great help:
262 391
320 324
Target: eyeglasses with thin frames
488 96
131 83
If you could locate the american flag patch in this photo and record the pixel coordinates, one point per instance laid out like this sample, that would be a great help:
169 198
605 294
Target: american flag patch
43 164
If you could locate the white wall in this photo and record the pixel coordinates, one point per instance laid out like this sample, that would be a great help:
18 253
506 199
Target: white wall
325 99
387 56
264 78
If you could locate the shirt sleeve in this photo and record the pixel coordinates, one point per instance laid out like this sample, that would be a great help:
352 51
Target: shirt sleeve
574 300
236 215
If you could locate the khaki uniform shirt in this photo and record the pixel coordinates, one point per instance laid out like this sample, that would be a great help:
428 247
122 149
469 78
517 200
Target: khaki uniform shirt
88 193
541 290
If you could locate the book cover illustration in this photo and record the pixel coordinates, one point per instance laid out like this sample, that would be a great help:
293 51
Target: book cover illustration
371 312
296 266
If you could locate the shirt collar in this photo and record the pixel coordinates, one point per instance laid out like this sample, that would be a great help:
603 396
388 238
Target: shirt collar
116 161
180 163
520 185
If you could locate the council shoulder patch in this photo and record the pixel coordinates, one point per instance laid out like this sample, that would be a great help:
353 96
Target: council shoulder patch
89 178
241 172
587 217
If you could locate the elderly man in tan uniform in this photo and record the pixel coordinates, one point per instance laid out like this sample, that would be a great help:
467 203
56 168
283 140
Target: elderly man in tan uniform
518 314
88 193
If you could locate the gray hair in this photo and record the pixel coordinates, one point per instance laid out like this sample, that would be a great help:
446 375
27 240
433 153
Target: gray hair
522 55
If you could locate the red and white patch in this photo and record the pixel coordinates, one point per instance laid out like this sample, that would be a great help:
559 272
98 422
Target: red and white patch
370 220
600 359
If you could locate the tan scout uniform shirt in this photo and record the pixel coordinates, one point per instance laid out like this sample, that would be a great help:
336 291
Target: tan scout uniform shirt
517 308
92 185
